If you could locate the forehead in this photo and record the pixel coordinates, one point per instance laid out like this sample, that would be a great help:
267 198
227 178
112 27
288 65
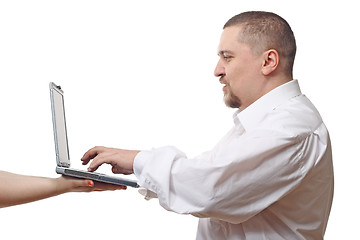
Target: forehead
229 40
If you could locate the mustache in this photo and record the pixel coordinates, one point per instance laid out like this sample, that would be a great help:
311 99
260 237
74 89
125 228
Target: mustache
222 80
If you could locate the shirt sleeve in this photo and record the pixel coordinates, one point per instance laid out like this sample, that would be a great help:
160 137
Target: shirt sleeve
239 178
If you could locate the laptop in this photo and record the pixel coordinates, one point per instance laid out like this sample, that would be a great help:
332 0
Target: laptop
62 147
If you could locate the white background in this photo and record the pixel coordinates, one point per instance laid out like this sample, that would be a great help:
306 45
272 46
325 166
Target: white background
139 74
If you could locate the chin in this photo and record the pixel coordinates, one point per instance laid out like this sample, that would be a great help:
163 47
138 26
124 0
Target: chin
231 102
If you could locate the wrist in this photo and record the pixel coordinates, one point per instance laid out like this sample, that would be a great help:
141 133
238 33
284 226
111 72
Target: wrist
61 185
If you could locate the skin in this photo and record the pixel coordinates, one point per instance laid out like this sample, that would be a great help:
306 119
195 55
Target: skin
246 77
19 189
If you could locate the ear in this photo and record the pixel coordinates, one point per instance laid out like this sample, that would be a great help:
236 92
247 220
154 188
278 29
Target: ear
270 62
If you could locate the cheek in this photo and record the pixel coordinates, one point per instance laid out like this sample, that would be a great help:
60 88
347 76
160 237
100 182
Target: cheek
236 78
241 84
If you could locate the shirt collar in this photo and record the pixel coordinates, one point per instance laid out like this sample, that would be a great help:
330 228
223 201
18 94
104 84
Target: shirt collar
253 114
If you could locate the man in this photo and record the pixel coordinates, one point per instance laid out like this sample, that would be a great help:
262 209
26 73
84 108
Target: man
271 176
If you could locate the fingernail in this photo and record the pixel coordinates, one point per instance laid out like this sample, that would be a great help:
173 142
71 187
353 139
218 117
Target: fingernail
90 183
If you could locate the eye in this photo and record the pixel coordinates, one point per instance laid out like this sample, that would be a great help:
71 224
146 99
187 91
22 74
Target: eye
227 57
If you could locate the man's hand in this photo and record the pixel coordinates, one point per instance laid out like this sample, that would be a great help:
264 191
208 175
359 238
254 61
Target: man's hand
122 161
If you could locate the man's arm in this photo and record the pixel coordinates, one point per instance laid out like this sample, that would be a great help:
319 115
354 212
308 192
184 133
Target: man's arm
18 189
231 183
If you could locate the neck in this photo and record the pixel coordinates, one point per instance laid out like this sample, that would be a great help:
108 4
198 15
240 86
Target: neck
267 85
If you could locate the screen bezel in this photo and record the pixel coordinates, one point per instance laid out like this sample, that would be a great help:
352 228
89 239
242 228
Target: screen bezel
58 114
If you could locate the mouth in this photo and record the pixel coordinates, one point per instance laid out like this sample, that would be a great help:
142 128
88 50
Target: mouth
225 85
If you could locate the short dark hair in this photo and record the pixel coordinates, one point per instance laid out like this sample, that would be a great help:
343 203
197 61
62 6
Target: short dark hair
265 30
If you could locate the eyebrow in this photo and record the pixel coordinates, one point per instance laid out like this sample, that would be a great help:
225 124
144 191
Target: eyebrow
222 52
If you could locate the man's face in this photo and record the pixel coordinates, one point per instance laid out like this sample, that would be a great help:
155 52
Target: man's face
238 69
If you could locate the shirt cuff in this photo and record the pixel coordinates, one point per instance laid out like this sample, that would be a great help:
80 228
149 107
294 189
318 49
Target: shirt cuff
138 166
139 163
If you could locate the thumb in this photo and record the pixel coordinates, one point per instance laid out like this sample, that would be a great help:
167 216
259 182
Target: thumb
89 183
83 183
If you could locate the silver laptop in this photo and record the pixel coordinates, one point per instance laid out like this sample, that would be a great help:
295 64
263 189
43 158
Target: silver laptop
62 147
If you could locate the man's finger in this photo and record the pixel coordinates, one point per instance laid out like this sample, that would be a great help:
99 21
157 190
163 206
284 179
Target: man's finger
97 162
90 154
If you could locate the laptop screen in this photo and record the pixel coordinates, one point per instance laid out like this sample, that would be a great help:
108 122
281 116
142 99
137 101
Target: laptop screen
59 125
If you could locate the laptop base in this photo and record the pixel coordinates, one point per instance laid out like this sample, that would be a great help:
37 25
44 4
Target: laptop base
96 177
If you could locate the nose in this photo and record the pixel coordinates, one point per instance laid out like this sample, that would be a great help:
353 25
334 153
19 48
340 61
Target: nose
219 70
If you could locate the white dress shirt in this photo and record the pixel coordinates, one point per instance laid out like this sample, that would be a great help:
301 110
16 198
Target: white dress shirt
269 177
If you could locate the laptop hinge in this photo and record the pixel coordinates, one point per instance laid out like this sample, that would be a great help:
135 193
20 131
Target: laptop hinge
64 164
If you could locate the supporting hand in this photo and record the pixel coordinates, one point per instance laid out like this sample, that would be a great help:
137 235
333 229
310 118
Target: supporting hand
68 184
18 189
